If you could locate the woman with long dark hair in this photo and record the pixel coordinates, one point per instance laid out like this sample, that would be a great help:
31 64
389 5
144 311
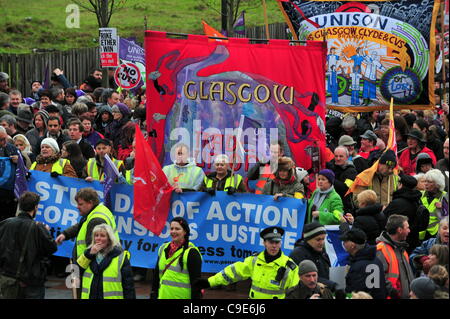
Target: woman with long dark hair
72 151
178 266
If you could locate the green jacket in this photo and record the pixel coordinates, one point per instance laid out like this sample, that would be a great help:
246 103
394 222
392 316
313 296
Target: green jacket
331 209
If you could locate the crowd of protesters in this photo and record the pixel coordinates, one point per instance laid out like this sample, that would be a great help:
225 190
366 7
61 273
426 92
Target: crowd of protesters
397 222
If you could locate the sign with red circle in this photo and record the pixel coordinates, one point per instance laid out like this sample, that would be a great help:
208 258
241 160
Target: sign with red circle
127 76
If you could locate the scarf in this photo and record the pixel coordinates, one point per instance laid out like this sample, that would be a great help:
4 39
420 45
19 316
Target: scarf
47 160
280 181
320 196
173 247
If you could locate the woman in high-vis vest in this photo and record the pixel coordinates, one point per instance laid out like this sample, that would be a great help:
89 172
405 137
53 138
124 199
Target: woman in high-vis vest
50 161
432 199
179 265
107 269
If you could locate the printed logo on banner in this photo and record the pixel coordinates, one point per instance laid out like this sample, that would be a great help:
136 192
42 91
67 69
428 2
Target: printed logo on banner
404 86
127 75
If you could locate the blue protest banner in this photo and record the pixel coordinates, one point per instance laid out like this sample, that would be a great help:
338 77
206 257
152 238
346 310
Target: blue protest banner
334 248
224 227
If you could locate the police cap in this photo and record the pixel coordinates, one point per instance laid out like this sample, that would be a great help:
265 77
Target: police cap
272 233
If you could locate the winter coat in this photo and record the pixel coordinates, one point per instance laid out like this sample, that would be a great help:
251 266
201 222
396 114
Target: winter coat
40 245
35 140
46 165
405 202
371 220
362 265
405 272
92 137
303 292
409 165
273 187
442 165
423 250
126 274
114 130
342 174
330 209
302 251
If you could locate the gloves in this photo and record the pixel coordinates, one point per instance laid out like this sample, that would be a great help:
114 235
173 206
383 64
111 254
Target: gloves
28 176
202 283
211 191
231 190
54 174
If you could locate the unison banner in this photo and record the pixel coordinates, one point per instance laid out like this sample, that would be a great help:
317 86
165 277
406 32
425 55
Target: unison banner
225 227
201 91
376 50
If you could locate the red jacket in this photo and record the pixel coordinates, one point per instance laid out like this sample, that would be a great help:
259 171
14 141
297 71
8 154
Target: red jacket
408 165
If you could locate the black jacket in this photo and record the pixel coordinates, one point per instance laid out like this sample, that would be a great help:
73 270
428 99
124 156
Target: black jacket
342 173
405 202
40 245
96 291
303 250
366 268
371 220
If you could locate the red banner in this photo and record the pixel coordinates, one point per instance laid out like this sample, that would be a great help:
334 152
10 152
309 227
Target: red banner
200 91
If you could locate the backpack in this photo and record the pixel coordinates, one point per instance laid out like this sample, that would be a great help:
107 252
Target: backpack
423 217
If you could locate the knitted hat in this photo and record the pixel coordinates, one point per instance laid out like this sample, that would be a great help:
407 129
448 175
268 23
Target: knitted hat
4 76
329 174
408 181
423 287
346 140
25 116
312 230
306 266
355 235
44 114
388 158
52 143
122 108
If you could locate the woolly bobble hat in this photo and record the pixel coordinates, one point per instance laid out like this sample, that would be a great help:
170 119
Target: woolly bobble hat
312 230
329 174
52 143
306 266
423 287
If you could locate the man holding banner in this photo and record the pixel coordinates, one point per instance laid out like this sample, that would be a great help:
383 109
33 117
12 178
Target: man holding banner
271 271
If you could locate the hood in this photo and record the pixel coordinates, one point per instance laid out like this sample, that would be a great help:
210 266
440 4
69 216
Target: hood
369 252
411 195
104 108
371 210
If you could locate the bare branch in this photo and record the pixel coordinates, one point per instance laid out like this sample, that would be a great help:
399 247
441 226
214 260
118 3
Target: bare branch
83 6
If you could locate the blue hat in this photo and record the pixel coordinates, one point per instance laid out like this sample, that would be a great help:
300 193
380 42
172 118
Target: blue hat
329 174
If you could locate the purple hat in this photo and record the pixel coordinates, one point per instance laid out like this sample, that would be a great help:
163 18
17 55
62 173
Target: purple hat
29 100
79 93
124 109
329 174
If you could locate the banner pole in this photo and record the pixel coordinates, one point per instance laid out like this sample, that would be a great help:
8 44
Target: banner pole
266 20
444 78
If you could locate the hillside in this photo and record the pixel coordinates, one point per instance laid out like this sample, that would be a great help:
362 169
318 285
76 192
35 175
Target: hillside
28 25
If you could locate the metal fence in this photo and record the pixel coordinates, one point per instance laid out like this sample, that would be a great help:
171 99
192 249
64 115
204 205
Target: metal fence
23 69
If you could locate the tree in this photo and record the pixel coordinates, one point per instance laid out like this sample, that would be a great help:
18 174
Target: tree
230 10
103 9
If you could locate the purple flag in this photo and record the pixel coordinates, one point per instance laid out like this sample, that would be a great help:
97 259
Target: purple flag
111 174
239 25
20 185
46 84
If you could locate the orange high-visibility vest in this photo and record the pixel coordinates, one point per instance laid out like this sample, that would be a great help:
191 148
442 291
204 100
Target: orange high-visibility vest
393 273
263 179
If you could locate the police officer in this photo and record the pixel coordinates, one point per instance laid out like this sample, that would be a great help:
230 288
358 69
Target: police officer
271 271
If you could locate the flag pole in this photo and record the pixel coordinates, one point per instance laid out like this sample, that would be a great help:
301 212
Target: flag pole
266 20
